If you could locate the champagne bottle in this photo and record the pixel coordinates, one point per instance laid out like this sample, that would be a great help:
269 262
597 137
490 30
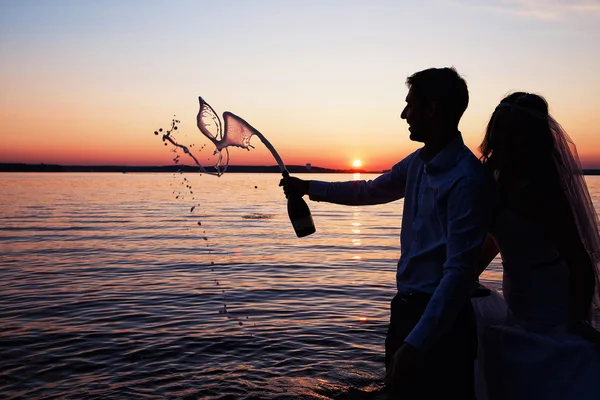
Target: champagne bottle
299 214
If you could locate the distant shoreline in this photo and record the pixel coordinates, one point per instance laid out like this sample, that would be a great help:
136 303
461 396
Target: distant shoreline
19 167
295 169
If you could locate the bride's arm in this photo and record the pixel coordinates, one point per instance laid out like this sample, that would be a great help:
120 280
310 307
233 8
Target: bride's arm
489 251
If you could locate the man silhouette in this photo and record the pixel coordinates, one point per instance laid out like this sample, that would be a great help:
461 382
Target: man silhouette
431 341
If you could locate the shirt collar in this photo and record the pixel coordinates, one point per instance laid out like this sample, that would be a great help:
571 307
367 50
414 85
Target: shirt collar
446 158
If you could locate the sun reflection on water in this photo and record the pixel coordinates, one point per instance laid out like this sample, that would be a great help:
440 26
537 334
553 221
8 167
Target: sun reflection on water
354 224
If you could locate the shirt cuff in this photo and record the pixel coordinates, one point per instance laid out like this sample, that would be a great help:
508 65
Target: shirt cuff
317 190
414 340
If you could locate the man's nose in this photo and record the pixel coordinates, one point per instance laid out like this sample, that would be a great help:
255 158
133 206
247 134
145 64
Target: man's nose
403 114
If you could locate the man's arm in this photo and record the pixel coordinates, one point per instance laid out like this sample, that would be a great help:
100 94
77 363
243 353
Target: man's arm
467 227
383 189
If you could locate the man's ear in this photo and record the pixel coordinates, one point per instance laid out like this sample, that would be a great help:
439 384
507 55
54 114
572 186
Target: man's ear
431 109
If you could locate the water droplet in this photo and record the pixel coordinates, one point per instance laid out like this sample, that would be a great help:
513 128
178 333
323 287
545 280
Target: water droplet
192 209
160 130
240 323
156 132
199 223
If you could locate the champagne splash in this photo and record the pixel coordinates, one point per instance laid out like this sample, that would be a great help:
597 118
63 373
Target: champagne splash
237 132
234 132
185 189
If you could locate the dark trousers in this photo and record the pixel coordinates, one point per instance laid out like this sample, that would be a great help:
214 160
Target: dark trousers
448 370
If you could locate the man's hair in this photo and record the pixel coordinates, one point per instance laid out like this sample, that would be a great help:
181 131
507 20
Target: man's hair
443 86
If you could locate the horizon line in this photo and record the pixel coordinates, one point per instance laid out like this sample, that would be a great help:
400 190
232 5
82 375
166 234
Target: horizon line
43 167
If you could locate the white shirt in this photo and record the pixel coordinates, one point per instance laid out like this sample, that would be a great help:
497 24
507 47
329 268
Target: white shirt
444 223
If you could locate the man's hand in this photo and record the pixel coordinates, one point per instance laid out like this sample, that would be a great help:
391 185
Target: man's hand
292 185
407 360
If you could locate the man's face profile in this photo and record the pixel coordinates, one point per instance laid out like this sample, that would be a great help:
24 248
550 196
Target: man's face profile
415 115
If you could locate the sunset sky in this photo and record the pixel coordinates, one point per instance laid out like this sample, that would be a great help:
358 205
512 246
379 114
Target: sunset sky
87 82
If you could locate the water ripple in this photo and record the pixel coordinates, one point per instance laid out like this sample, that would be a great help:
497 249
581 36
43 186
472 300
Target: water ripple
111 289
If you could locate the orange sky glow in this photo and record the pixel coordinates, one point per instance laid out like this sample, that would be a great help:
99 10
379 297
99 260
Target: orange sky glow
88 85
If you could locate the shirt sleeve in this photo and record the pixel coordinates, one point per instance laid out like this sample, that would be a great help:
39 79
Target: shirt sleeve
383 189
467 226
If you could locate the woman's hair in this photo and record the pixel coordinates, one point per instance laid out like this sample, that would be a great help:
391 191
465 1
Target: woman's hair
539 176
522 133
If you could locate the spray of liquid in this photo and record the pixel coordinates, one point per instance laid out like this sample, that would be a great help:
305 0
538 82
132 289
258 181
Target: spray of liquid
234 132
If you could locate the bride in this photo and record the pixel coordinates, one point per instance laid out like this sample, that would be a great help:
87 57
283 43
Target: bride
539 340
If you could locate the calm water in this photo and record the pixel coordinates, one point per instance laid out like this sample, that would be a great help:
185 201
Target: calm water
113 287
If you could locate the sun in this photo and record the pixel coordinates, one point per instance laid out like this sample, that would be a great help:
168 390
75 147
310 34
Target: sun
356 163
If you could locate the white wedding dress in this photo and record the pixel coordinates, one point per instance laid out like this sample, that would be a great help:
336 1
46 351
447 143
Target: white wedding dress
525 350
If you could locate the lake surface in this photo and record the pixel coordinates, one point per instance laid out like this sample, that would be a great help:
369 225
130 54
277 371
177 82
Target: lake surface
114 287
